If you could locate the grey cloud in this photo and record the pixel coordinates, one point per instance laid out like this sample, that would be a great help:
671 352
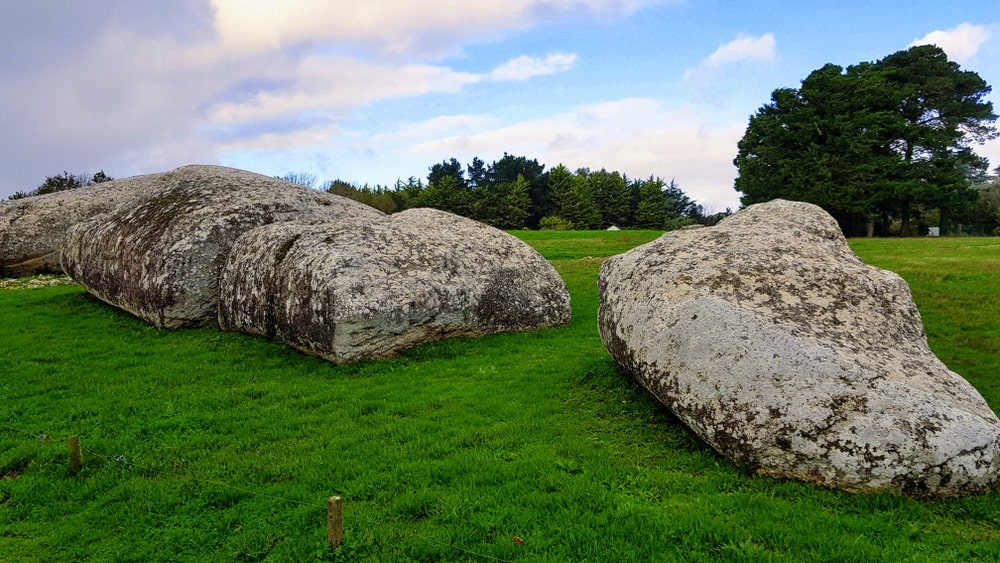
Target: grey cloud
83 91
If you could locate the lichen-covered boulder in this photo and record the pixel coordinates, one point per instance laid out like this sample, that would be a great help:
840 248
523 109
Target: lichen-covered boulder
160 257
32 229
781 349
351 292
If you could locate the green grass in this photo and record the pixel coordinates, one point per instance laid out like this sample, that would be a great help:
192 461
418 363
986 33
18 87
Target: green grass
230 445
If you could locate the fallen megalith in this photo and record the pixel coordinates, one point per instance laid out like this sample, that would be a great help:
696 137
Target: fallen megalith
32 229
791 357
160 256
348 291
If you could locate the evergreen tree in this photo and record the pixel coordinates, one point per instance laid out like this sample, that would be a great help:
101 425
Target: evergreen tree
875 141
60 183
610 194
507 170
504 205
476 172
450 168
99 178
341 188
561 182
449 194
678 202
407 194
651 209
579 206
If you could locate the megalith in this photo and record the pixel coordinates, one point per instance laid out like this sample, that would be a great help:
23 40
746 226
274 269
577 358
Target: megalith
790 356
352 291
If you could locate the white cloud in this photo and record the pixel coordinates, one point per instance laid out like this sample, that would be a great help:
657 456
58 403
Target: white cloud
742 49
390 27
123 101
282 140
333 86
436 127
961 43
525 67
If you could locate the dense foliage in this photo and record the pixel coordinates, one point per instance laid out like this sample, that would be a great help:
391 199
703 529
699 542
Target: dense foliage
875 143
517 193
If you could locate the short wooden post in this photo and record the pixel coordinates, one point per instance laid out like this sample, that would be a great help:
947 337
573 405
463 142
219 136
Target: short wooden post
334 522
75 453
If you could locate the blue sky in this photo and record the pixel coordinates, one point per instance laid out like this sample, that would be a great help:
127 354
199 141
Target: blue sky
375 91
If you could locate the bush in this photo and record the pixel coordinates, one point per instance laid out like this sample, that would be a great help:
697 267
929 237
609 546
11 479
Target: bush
555 223
679 222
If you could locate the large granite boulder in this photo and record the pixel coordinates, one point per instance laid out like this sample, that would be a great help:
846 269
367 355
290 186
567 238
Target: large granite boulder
780 348
32 229
160 257
347 292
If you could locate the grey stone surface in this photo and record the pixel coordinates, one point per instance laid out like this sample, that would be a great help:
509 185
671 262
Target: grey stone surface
790 356
32 229
348 292
160 257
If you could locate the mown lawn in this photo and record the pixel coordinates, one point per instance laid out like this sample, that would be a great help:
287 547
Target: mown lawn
209 446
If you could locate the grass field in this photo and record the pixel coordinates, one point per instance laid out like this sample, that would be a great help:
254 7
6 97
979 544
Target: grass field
209 446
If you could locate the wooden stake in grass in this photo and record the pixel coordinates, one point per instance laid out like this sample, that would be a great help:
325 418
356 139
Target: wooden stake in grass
75 453
334 522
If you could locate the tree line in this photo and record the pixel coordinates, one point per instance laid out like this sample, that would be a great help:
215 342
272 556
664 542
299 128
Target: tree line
884 145
515 192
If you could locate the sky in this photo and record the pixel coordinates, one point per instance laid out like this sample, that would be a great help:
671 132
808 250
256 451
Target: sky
376 91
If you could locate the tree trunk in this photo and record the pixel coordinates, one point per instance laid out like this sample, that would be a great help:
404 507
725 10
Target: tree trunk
883 227
904 228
